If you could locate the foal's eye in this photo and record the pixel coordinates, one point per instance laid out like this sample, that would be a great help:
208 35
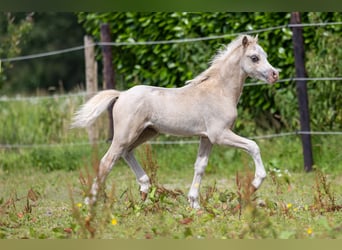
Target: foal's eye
254 58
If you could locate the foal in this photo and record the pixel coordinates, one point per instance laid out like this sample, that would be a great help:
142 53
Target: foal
206 107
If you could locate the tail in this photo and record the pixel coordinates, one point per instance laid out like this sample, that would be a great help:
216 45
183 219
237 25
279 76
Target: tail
93 108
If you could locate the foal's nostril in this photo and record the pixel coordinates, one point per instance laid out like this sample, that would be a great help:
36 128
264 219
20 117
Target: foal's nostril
275 75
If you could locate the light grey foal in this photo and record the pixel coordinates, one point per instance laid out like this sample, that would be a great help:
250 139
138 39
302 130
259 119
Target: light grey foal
206 107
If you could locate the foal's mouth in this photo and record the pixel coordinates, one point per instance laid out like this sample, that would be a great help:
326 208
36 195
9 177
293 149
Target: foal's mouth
272 76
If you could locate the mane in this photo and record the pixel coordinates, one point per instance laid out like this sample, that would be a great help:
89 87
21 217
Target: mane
221 56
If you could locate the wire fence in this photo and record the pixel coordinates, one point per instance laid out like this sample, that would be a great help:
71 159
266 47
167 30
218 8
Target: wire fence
139 43
83 93
164 142
172 41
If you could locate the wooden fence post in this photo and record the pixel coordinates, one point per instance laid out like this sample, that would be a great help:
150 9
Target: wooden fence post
299 54
91 80
108 71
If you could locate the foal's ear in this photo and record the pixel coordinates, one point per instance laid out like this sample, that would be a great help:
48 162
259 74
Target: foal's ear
256 38
245 41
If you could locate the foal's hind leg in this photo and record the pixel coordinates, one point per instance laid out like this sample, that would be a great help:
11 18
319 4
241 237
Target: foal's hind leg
200 165
142 178
113 154
128 131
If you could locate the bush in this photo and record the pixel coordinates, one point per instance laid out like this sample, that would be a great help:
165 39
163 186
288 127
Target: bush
171 65
50 159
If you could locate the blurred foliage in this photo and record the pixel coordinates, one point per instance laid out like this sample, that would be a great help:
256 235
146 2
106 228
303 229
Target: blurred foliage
39 121
14 32
49 31
323 59
171 65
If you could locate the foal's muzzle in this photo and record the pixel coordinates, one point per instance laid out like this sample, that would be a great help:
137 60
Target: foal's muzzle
273 76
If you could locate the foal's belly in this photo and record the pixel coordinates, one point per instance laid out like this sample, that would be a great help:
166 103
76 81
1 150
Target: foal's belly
170 111
179 125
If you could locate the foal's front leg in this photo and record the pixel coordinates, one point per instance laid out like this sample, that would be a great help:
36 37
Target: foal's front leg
200 165
229 138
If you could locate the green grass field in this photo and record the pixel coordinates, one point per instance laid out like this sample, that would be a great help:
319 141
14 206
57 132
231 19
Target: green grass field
40 203
44 179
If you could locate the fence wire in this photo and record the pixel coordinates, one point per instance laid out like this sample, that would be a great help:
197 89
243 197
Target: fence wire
173 41
139 43
168 142
83 93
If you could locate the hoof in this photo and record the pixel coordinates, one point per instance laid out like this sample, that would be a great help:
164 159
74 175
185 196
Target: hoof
253 189
88 201
256 183
143 196
194 203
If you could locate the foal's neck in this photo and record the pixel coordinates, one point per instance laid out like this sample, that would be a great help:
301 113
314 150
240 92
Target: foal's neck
230 78
224 76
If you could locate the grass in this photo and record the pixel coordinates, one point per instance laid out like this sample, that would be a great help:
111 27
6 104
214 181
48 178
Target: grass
43 187
291 204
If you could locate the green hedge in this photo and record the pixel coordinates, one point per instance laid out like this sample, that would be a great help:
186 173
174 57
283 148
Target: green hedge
171 65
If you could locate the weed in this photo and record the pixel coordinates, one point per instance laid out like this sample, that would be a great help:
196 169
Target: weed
91 219
258 224
149 163
245 191
324 198
294 206
226 213
15 214
158 194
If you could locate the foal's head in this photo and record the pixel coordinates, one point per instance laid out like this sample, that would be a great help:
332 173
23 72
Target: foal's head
254 61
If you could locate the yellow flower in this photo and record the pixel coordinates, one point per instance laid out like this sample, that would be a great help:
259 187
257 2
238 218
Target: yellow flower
114 222
309 231
79 205
289 205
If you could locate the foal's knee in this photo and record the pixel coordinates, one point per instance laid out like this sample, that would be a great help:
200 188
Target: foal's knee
253 148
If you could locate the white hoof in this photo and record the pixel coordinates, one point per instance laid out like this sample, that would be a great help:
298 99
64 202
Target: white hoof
144 183
258 181
89 201
194 203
